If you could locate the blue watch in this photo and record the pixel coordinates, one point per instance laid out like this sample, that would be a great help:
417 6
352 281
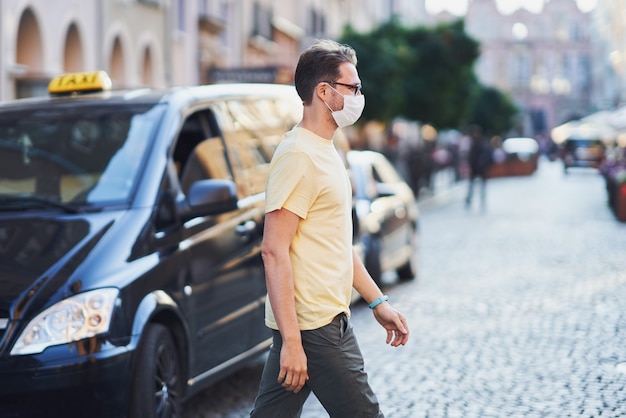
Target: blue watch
378 301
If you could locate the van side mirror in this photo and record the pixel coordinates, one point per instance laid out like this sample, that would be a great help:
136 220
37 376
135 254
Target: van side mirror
209 197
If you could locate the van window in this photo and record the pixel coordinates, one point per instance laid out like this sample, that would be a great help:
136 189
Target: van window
252 129
206 161
87 154
199 152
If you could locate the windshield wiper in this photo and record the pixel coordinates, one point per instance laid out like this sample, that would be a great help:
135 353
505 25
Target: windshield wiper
27 202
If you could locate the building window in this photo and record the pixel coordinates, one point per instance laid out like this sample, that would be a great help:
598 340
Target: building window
567 67
317 23
225 16
262 21
391 8
585 72
179 15
203 8
519 70
577 33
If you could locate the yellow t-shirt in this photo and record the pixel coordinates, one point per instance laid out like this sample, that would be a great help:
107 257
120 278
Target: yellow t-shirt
307 177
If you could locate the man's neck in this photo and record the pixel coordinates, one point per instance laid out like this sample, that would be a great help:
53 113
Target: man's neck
318 126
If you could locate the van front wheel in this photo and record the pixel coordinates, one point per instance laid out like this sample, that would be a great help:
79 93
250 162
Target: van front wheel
157 384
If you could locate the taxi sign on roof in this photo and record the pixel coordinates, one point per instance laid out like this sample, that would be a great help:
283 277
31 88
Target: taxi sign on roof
77 82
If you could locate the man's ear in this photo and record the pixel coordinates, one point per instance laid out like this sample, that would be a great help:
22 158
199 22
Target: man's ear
322 90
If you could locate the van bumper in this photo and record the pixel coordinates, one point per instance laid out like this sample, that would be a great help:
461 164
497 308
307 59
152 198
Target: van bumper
95 386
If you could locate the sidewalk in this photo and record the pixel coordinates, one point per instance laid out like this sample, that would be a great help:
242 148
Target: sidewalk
444 189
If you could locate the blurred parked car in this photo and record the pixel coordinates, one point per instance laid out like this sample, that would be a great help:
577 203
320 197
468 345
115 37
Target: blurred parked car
386 216
582 152
584 142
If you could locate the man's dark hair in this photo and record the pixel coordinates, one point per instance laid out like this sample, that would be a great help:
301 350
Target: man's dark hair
320 62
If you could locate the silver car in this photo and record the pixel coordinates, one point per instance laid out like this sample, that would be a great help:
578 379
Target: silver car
385 216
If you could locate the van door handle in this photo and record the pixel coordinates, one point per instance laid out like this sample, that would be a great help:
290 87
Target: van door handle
246 229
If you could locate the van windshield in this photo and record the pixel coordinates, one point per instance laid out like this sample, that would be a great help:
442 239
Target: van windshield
73 155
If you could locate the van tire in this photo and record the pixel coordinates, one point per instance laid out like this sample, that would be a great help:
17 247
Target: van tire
157 390
408 271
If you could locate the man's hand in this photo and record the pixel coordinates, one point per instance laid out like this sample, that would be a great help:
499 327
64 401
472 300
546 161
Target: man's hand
394 323
293 367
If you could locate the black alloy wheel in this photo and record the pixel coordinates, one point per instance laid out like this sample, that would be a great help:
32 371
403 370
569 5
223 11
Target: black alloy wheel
157 385
408 271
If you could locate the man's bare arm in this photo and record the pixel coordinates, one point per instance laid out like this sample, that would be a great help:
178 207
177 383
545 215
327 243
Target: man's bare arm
280 229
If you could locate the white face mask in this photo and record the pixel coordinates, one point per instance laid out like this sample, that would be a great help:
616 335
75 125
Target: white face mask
351 112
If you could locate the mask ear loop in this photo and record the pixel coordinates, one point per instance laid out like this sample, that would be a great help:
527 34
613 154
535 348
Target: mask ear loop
335 90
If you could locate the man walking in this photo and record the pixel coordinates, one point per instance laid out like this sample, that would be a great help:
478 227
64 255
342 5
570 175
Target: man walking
480 160
307 250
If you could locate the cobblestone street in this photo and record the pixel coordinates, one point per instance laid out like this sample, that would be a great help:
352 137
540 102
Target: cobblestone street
517 310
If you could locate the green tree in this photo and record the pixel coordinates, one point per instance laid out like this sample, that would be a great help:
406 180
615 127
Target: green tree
382 57
493 111
441 81
420 73
427 74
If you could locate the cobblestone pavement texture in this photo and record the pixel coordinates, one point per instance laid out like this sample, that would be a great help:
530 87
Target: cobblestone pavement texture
517 310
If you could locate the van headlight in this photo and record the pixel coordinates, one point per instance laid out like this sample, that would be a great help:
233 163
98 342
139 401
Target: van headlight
72 319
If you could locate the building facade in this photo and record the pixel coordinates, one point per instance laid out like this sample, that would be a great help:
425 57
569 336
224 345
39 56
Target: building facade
609 54
39 39
543 60
556 64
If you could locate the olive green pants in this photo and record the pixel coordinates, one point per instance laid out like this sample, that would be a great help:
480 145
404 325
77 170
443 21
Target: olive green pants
336 377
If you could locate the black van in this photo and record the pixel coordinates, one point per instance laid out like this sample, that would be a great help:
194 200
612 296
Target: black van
130 232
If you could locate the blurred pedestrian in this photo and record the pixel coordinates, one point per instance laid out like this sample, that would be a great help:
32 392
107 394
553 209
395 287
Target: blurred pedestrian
309 261
480 160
